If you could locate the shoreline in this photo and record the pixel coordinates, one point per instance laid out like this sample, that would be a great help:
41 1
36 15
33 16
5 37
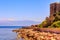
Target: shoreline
35 33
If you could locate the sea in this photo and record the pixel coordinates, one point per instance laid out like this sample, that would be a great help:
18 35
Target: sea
7 34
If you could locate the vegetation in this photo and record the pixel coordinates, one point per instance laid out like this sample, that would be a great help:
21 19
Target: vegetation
42 24
55 23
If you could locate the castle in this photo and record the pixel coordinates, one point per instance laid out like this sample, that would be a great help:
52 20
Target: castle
54 8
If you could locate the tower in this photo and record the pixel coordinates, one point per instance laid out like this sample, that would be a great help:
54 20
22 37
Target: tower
54 8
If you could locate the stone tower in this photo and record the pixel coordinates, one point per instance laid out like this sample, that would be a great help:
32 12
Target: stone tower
54 8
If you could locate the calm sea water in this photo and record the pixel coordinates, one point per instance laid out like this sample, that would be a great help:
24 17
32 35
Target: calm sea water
7 34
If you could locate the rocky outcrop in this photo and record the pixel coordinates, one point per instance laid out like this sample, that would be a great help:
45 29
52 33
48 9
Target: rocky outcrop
38 33
49 29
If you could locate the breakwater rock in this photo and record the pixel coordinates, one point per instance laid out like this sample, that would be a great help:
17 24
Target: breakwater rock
38 33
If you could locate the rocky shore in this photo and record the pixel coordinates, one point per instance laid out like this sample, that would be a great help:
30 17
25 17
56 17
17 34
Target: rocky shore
49 29
34 33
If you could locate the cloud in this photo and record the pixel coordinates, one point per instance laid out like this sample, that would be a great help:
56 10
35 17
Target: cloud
7 19
11 19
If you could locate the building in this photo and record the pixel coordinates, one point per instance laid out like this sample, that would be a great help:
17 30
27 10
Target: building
54 8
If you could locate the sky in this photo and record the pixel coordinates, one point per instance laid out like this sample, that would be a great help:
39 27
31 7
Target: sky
16 10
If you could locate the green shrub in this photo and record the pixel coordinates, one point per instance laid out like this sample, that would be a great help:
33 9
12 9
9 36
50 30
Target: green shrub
56 24
43 24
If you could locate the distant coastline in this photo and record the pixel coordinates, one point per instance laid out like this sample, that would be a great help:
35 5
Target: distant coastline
11 26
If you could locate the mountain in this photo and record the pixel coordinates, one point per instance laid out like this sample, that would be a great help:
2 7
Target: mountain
18 23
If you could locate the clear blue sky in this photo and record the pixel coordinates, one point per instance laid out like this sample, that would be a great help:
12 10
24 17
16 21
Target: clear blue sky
35 10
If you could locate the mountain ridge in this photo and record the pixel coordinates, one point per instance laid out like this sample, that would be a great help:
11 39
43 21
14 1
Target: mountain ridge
18 23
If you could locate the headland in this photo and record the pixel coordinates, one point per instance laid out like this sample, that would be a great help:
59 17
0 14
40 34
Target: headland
49 29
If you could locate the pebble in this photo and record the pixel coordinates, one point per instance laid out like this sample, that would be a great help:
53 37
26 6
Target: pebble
33 35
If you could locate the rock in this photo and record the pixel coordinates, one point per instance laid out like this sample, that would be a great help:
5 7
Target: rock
34 34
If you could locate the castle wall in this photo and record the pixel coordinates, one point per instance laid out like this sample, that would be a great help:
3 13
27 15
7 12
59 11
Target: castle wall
54 7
